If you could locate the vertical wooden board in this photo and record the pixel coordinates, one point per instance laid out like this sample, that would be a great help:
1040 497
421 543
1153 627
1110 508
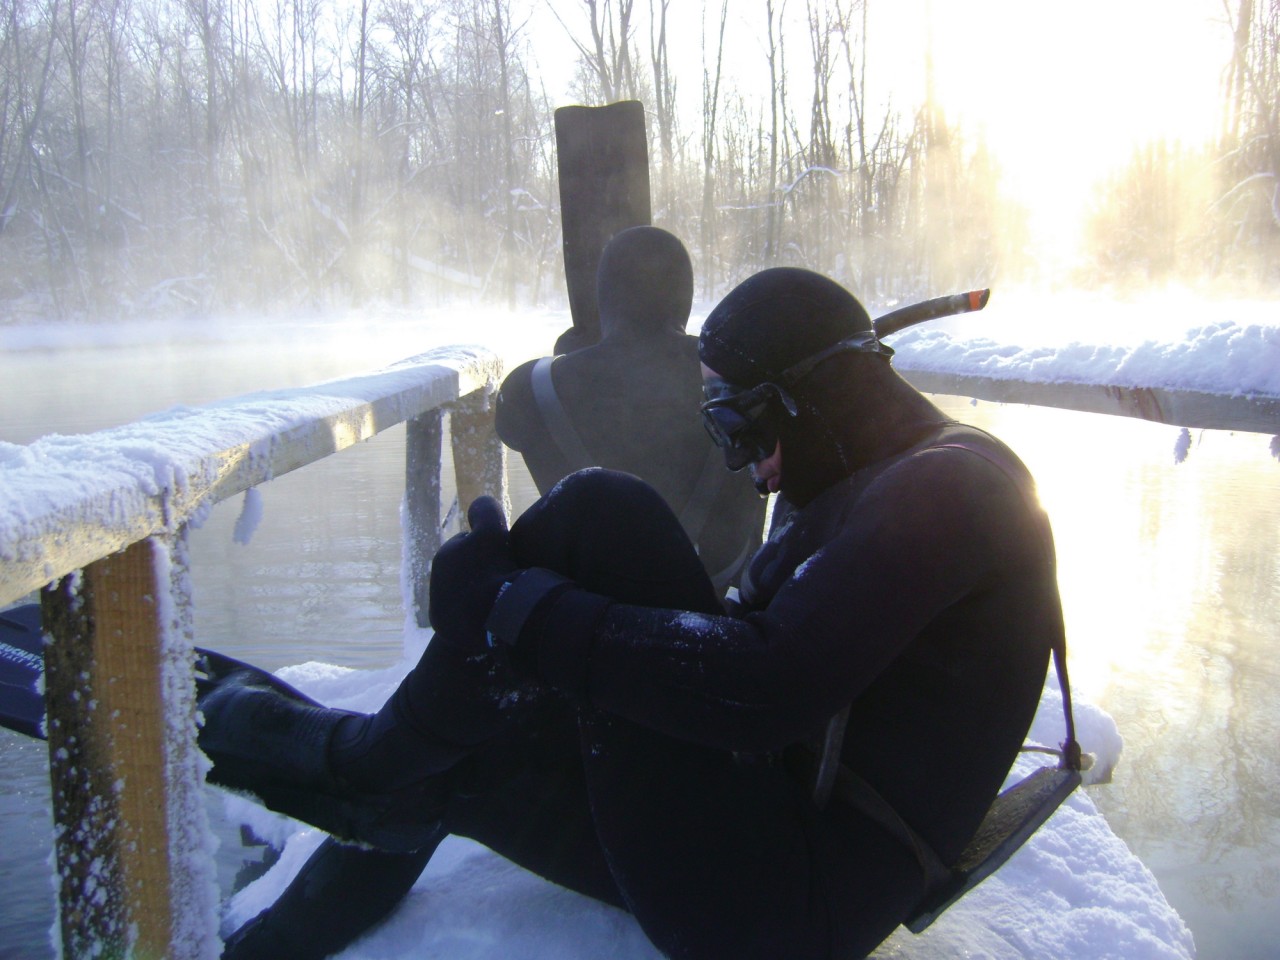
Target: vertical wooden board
107 755
602 158
424 442
479 458
91 898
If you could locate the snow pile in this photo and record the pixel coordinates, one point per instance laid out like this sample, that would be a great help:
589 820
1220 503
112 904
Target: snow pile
1074 890
1218 358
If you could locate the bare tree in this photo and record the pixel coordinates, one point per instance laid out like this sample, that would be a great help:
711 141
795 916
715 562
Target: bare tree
206 18
164 151
1251 144
25 64
711 75
410 125
664 101
777 99
607 56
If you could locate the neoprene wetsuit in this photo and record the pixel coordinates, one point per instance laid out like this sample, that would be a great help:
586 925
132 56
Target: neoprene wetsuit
631 402
640 757
926 611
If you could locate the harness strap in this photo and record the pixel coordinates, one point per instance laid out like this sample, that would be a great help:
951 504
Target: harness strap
556 418
853 790
1071 758
831 776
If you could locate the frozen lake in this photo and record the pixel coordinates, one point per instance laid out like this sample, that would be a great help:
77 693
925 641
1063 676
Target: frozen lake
1170 576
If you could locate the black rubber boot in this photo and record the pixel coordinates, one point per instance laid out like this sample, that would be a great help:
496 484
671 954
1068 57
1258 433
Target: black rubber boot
268 739
339 893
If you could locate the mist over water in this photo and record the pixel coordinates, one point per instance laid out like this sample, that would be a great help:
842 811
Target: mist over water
1170 575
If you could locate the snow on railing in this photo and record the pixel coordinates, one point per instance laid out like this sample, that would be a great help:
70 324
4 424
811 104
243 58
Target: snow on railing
1195 409
98 524
69 500
1220 376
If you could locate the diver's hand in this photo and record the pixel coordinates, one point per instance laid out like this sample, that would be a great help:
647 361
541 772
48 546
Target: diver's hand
467 574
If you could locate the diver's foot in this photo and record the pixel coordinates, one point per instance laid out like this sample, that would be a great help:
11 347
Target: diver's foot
267 739
340 892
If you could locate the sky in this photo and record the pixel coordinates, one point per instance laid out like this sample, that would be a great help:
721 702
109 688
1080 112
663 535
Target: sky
1062 93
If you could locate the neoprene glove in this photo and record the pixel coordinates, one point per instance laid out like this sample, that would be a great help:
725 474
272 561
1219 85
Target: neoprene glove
467 574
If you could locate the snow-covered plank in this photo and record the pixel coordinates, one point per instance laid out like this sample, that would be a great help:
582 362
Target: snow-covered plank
1178 407
1219 376
65 501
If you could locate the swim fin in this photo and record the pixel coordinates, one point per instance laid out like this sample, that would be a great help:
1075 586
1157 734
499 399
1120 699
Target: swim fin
340 892
268 739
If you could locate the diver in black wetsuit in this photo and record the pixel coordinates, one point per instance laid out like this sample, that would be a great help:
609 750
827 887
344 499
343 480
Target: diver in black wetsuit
624 403
588 710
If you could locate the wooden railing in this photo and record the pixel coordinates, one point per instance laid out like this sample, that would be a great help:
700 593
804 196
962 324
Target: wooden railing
1195 409
105 544
109 558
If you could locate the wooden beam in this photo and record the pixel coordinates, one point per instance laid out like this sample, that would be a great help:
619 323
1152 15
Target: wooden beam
122 764
247 441
1180 408
479 458
602 159
424 443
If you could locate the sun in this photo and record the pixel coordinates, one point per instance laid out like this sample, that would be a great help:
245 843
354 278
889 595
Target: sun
1064 94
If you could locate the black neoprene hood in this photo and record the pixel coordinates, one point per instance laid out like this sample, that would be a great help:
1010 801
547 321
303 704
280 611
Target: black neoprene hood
644 283
775 319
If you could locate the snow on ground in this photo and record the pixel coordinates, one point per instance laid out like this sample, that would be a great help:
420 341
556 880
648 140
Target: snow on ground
1073 891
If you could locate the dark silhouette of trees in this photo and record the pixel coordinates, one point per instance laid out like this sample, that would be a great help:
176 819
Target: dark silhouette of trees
195 155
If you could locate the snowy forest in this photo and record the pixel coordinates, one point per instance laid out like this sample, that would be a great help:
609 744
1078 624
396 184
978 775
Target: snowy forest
191 156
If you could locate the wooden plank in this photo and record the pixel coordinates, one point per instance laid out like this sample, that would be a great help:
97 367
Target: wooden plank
424 443
255 438
121 770
479 458
602 160
1181 408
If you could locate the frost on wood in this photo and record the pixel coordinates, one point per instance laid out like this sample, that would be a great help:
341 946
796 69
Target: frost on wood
132 845
193 890
250 517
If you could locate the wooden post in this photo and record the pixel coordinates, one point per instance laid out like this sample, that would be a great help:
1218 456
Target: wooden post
602 160
126 786
479 465
479 458
424 441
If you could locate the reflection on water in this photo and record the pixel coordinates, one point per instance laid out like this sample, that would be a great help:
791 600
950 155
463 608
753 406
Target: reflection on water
1169 574
322 569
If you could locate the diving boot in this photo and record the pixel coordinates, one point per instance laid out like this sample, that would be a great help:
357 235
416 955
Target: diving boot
340 892
268 739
